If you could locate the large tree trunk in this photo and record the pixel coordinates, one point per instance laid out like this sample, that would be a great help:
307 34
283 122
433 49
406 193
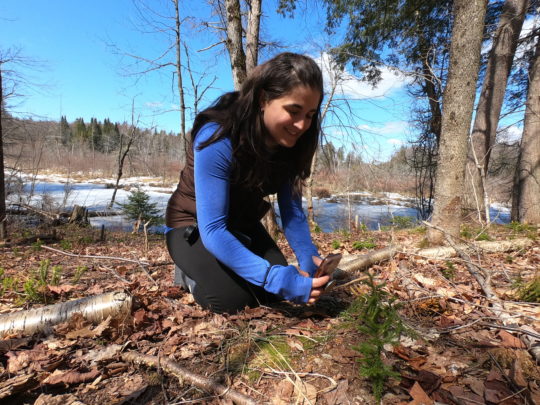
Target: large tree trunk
3 218
252 34
234 42
489 106
458 103
528 168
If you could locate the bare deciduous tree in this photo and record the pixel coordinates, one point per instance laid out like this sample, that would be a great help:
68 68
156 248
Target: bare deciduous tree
458 103
526 198
489 106
123 153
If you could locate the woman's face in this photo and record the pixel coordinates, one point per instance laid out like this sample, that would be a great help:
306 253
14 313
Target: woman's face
286 118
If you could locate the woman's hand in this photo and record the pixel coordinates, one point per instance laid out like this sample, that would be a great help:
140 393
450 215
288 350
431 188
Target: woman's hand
317 283
317 288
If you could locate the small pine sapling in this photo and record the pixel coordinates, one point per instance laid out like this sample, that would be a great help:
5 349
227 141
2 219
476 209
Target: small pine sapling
380 322
138 208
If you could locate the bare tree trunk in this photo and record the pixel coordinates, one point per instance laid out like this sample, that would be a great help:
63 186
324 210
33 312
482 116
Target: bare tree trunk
234 42
528 168
252 35
458 103
309 183
3 218
123 154
178 46
491 99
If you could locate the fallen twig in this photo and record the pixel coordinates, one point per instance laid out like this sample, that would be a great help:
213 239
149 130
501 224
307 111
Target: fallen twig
184 374
94 257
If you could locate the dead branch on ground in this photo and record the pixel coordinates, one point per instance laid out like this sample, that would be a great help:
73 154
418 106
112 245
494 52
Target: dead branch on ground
183 374
95 257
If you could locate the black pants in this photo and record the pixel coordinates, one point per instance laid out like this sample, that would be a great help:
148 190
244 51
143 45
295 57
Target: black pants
217 287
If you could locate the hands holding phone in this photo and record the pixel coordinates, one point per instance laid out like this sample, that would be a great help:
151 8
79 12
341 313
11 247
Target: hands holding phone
323 275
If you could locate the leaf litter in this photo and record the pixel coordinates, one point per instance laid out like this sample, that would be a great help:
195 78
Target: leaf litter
460 353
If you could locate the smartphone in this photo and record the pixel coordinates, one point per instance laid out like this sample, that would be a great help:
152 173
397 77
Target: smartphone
328 265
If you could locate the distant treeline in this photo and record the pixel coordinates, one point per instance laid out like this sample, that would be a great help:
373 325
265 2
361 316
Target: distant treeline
33 146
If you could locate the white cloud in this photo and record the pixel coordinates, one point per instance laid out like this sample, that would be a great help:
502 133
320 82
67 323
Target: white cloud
394 141
153 104
389 128
510 134
352 86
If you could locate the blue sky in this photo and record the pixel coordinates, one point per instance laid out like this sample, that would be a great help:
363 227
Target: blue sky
84 70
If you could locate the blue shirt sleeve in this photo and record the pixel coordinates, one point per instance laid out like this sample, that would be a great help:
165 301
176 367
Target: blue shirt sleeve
296 228
212 171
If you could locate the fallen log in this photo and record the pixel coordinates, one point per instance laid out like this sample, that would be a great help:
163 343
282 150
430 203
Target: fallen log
184 374
95 309
443 252
364 261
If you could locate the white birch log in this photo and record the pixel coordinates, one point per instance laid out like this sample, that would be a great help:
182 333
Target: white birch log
95 309
443 252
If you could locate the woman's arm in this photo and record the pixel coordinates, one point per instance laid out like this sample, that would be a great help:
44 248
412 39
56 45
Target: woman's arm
212 166
296 228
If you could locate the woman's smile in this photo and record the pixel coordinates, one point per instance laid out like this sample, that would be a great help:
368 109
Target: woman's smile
287 118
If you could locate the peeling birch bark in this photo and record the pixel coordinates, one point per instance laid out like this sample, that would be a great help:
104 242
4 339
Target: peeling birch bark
95 309
443 252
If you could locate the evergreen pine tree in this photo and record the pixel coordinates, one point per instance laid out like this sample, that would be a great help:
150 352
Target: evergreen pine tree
138 208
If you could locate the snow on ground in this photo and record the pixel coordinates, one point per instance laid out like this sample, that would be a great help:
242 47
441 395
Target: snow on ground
332 213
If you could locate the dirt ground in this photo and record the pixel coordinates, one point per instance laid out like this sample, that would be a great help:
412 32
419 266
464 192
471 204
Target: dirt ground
458 349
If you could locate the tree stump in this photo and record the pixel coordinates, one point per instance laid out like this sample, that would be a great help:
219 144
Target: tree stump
79 215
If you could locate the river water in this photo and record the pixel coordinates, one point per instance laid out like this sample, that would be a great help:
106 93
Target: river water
330 213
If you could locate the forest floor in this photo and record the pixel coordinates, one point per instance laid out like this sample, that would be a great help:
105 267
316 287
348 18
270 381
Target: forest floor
456 349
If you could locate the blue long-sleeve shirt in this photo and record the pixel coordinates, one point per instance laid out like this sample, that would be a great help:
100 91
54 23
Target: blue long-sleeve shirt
212 172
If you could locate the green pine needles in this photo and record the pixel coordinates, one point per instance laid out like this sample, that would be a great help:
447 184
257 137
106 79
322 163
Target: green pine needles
138 208
377 318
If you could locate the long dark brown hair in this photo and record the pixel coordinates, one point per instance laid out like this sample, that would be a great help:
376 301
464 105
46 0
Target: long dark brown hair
239 116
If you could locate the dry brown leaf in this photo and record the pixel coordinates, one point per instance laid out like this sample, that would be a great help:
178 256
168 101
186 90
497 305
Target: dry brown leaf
62 289
304 393
67 399
17 361
71 377
283 393
509 340
419 396
339 395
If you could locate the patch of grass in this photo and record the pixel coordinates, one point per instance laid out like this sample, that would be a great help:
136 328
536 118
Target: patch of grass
420 230
400 222
483 235
271 353
86 240
336 244
449 272
36 246
365 244
32 291
317 229
424 243
529 292
518 227
66 244
79 271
